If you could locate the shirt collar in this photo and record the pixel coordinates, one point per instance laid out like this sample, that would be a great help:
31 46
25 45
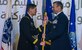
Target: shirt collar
58 13
30 16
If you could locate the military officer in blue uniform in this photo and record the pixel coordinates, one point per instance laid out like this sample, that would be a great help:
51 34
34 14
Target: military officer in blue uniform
59 29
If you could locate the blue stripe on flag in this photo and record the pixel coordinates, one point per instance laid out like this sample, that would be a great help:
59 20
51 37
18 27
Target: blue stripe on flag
72 26
47 7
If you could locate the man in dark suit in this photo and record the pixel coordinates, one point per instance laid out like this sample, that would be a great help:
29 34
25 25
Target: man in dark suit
59 31
27 41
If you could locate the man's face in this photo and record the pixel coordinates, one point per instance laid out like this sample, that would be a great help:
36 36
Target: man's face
33 11
55 8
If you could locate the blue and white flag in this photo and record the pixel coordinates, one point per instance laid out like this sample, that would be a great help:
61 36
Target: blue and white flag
72 26
47 7
6 37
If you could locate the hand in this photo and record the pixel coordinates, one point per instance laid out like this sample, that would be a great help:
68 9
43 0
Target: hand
42 43
45 20
43 36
